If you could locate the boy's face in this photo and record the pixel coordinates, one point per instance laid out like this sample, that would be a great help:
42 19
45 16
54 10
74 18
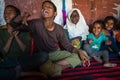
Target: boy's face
109 24
97 29
9 14
48 10
74 17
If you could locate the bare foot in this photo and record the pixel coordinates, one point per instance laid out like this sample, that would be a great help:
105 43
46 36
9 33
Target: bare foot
110 65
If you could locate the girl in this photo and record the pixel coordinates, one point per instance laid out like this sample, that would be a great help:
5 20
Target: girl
76 26
94 43
110 32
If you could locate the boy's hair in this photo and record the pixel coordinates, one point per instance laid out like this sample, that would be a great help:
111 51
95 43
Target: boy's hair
55 9
15 8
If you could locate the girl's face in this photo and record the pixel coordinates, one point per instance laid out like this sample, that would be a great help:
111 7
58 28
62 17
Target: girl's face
74 17
48 10
109 24
9 14
97 29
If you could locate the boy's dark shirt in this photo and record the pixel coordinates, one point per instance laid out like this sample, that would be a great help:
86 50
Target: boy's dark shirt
47 40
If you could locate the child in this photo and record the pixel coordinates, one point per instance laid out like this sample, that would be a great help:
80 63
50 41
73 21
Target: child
94 43
47 35
117 35
76 26
14 49
110 32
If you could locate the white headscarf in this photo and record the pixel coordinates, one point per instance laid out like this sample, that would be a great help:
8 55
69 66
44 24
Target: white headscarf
79 29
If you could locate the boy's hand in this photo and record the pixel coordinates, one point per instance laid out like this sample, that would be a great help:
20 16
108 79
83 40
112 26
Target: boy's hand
85 59
25 18
15 33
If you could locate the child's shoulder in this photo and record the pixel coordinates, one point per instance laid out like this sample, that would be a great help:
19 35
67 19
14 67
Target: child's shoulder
106 32
3 27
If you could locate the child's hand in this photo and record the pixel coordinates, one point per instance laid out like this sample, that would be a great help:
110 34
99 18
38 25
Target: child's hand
106 32
86 63
108 42
25 17
15 33
115 32
90 41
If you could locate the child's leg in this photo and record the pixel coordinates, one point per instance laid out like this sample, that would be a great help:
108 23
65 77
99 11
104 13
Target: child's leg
89 51
105 55
106 60
114 45
97 59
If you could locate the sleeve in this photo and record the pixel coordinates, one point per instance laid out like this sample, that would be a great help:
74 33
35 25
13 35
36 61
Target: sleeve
105 38
23 27
89 36
64 41
2 42
26 40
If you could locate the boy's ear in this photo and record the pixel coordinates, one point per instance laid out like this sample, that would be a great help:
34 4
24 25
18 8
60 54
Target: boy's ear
55 14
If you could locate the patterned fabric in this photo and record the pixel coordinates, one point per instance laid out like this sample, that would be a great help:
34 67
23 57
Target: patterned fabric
95 72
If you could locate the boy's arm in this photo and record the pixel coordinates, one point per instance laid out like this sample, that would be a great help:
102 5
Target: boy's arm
21 23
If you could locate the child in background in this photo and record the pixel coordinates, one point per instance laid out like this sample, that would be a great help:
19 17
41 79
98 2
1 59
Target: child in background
110 32
94 43
117 29
15 60
76 27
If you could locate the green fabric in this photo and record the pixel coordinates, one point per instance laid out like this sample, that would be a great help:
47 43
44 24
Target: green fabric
14 49
72 58
50 68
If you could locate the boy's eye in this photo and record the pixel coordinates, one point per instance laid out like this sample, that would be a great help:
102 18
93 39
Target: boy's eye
47 7
10 12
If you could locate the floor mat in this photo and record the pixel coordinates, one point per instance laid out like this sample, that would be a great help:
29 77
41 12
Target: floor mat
94 72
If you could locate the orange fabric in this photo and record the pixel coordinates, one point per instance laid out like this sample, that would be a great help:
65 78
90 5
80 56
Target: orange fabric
118 36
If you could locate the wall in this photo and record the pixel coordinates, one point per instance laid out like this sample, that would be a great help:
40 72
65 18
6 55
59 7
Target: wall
32 6
97 9
91 9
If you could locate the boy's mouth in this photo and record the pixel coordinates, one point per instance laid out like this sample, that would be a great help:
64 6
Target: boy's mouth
45 12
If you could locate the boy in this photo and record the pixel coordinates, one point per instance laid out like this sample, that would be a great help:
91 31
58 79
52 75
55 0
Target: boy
48 36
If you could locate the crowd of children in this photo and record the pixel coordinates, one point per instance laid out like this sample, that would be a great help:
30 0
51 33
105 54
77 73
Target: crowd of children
78 44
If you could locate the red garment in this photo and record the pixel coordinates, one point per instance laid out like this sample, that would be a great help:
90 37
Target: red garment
118 36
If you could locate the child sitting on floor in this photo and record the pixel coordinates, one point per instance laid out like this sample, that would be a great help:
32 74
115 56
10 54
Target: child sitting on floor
76 27
110 31
94 43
